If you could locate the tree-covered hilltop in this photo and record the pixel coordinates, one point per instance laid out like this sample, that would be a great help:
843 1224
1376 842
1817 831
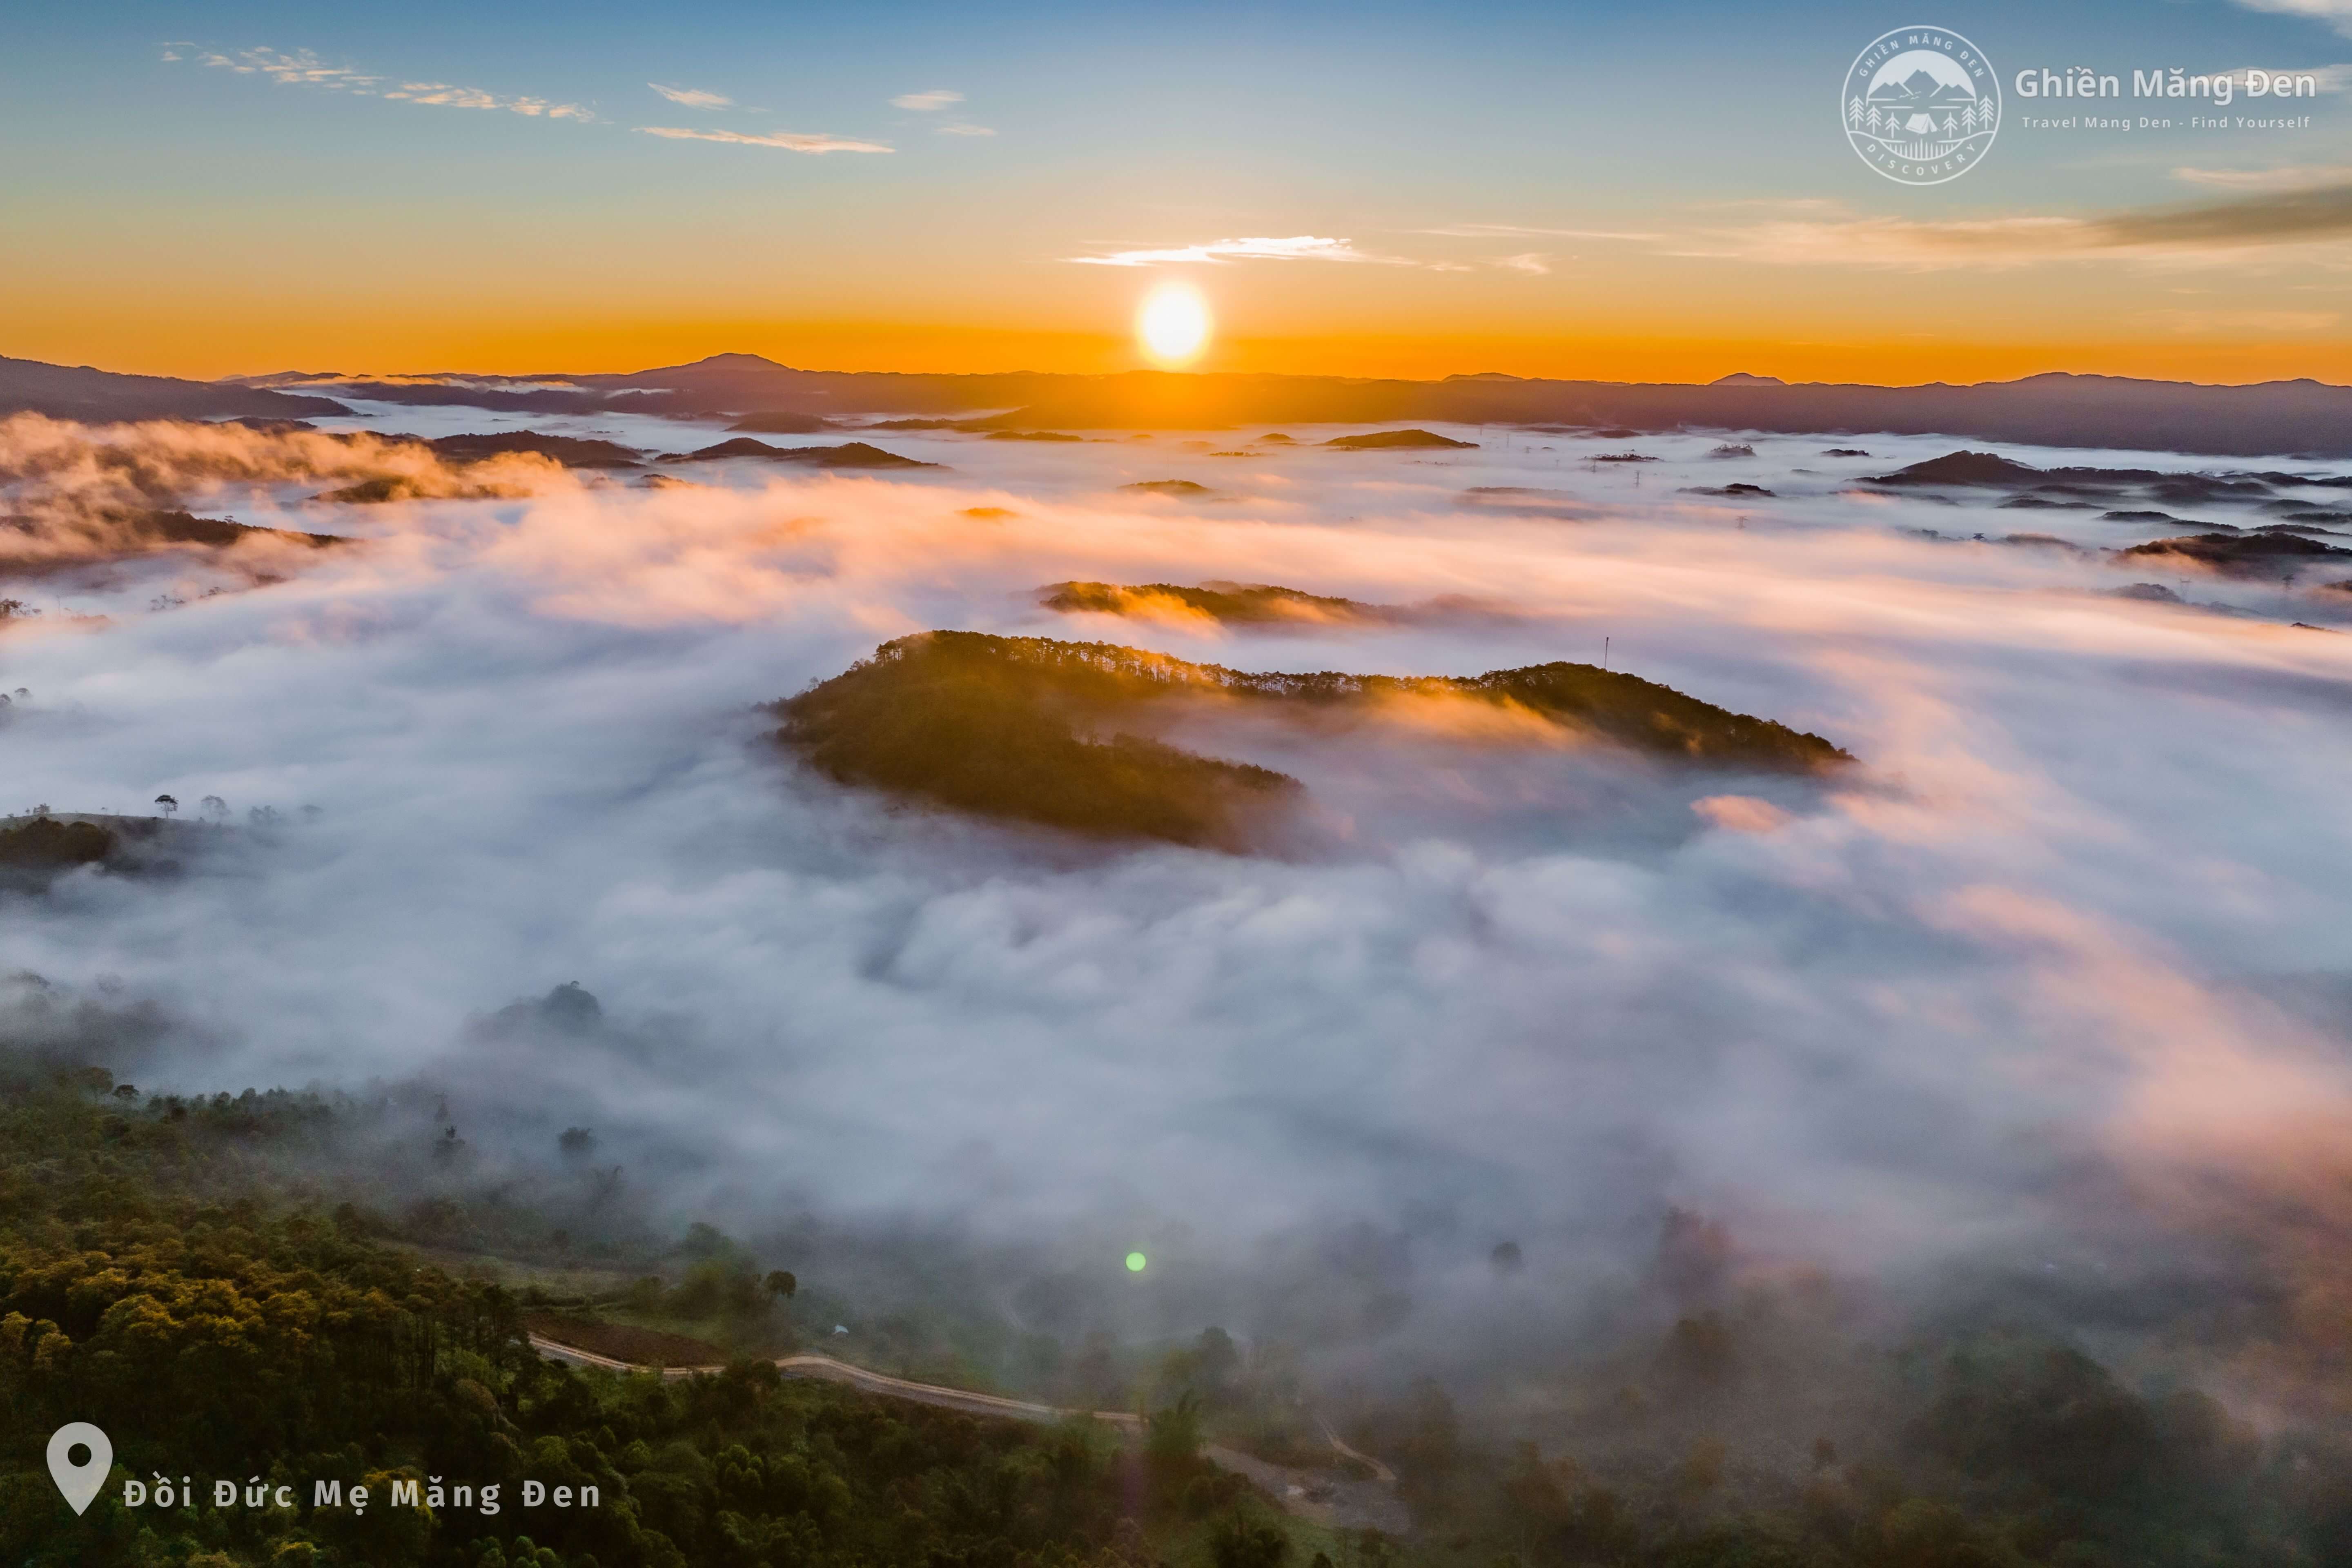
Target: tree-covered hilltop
1233 604
54 537
44 844
154 1282
980 724
1028 729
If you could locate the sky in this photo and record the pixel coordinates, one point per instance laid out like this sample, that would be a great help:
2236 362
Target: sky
1662 193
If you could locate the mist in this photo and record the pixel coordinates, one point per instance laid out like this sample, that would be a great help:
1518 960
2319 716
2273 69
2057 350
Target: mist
2050 987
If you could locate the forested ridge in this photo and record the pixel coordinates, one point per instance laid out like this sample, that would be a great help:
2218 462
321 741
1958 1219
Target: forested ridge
249 1338
164 1276
1030 729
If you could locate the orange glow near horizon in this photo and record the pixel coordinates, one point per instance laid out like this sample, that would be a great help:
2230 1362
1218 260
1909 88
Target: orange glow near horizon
233 343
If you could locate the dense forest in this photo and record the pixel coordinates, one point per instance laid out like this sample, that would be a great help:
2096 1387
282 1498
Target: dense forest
252 1340
1233 604
167 1273
966 722
44 844
1029 728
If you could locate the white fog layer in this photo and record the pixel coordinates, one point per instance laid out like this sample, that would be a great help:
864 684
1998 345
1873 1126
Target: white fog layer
2076 932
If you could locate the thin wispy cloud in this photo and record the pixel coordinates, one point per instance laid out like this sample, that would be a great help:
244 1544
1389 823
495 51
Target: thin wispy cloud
1780 203
926 102
2336 14
2329 79
693 97
789 141
303 69
300 68
2217 230
442 92
1218 252
1517 231
2204 323
963 128
1533 264
2288 177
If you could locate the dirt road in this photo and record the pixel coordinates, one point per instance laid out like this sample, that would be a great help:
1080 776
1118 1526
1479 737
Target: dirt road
1327 1497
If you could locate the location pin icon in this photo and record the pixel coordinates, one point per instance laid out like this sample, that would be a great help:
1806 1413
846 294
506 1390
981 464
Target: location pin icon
79 1483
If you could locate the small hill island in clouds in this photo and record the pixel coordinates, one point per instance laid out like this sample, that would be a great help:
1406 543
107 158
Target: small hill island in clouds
1029 729
1233 604
848 454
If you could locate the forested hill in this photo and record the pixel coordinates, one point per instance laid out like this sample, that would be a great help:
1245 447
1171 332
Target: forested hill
1029 729
215 1329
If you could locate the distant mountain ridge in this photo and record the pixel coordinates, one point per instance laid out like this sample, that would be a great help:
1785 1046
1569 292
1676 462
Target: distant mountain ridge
101 396
2284 419
2301 417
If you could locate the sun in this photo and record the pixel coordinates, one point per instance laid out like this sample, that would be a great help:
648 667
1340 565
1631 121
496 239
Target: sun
1173 324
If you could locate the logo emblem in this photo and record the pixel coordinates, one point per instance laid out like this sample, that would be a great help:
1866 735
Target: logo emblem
1921 105
79 1483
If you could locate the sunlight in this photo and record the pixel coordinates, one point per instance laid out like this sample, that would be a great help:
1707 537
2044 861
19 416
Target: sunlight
1173 324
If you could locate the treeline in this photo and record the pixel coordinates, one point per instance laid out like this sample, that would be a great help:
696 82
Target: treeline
1764 1428
2019 1455
1233 604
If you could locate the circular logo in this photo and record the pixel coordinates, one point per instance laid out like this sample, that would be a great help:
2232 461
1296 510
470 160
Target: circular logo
1921 105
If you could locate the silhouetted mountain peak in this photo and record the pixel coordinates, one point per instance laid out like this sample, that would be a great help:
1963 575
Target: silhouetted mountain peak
725 362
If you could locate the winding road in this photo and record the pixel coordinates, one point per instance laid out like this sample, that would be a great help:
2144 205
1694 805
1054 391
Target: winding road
1337 1501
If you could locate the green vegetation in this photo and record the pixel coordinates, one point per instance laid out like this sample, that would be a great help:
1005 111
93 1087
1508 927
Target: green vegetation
180 528
388 488
571 451
721 1307
1648 717
1388 440
218 1325
45 844
1236 603
848 454
999 726
167 1273
1024 727
1996 1450
120 532
2263 554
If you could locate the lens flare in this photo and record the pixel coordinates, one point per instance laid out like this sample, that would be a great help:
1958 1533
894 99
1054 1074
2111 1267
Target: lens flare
1135 1262
1173 324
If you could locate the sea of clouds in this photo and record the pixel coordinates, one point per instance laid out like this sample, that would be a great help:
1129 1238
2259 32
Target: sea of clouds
2058 980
